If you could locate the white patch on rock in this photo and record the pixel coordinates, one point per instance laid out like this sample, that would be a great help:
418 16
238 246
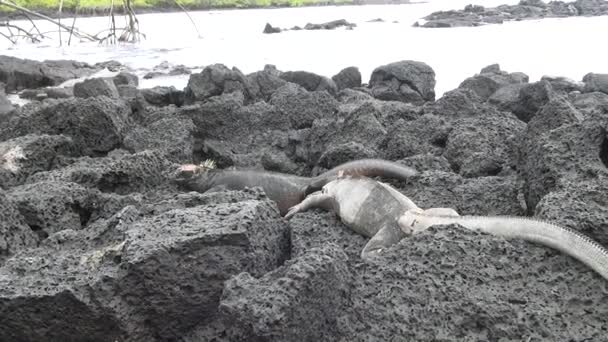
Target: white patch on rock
9 160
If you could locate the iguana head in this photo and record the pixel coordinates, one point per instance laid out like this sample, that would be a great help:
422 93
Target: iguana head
192 172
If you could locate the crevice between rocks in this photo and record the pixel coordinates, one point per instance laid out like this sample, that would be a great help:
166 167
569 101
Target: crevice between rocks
604 150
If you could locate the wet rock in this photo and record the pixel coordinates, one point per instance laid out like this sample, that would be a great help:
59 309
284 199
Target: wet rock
176 263
15 234
215 80
270 29
96 125
173 135
330 25
406 81
26 155
5 104
124 174
47 93
310 81
348 78
301 106
49 207
126 78
265 83
596 82
313 288
163 96
19 74
96 87
484 146
490 80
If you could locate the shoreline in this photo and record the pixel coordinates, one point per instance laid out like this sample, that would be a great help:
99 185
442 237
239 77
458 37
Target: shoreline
104 11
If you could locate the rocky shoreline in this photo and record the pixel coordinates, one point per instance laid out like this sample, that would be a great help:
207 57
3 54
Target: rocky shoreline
98 243
476 15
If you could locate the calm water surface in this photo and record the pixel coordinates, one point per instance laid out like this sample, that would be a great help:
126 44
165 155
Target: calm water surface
568 47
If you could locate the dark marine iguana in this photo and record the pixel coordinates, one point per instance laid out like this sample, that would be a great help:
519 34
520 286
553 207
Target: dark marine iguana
285 189
379 211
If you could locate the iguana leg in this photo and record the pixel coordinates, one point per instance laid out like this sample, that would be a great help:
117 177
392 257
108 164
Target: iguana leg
316 200
387 236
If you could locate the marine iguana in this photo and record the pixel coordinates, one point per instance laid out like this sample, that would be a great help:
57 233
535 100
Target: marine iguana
285 189
384 214
565 240
368 207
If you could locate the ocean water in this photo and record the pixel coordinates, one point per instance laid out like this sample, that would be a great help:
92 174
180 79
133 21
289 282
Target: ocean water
569 47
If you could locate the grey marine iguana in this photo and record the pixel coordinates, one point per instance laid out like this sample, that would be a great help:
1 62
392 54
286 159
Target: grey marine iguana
368 207
285 189
379 211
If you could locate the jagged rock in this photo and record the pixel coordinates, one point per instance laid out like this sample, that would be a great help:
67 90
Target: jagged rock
312 288
96 124
270 29
215 80
301 106
176 263
330 25
96 87
127 91
596 82
569 152
523 101
52 206
591 7
406 81
26 155
265 83
339 154
490 80
563 85
19 73
163 96
15 234
428 134
592 104
173 135
581 206
278 161
119 174
457 103
126 78
348 78
310 81
484 145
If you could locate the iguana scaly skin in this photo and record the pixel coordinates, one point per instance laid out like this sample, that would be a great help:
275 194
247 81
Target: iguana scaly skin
368 207
285 189
568 241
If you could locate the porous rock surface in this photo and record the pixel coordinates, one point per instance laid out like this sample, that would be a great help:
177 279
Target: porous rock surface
98 243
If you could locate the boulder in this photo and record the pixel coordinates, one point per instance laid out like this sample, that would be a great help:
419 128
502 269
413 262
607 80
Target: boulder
26 155
348 78
96 87
596 82
490 80
163 96
215 80
428 134
126 78
310 81
15 234
270 29
301 106
19 73
313 288
265 83
96 125
406 81
563 85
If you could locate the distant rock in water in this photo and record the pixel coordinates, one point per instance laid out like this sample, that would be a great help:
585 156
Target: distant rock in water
330 25
476 15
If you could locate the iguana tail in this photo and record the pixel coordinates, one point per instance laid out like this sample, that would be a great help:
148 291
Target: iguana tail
363 167
566 240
